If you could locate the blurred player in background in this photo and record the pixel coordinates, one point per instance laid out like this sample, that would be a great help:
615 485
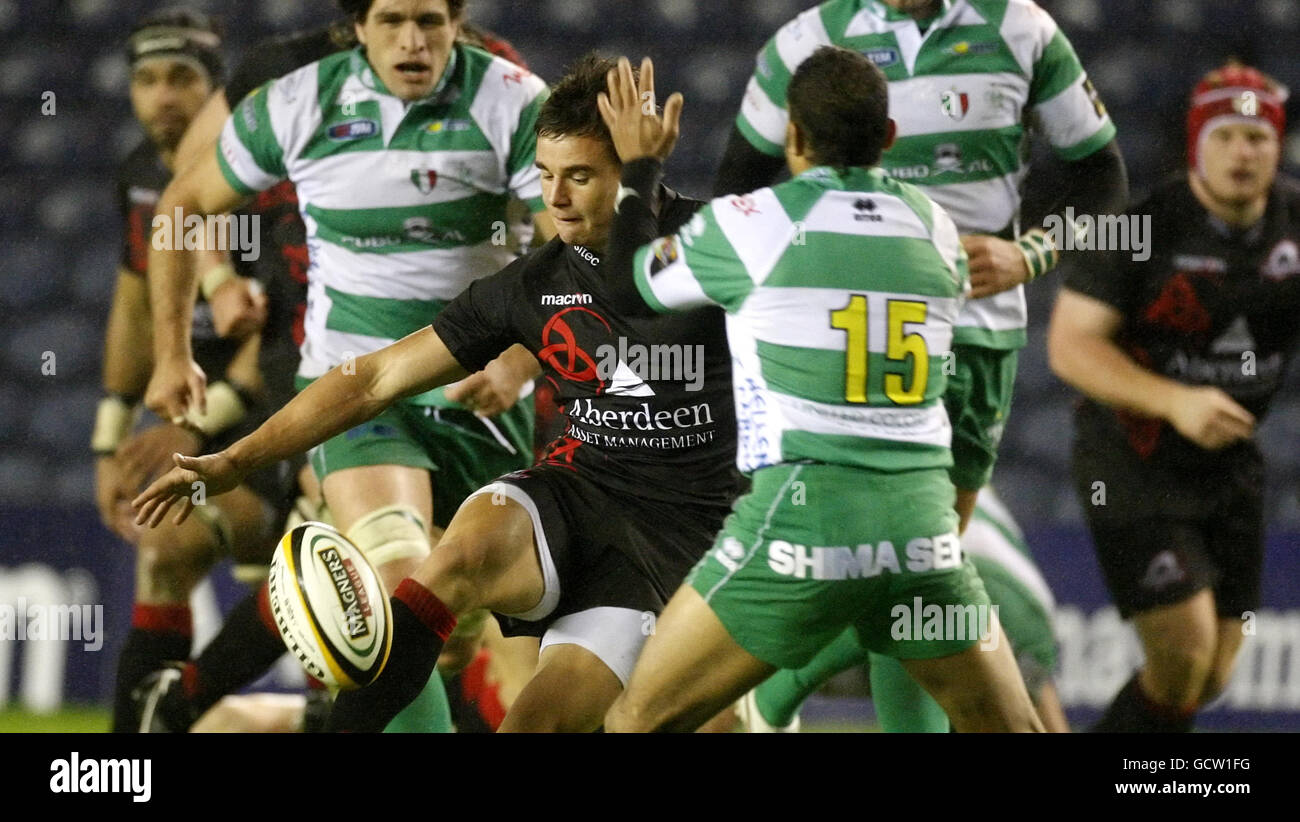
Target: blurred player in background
584 547
995 544
175 62
838 377
970 81
403 172
1179 357
249 642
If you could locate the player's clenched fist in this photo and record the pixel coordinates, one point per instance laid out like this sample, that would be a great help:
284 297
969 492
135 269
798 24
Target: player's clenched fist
190 483
628 109
1210 418
177 384
996 265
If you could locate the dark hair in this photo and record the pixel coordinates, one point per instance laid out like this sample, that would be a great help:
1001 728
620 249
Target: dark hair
840 101
358 9
571 110
180 31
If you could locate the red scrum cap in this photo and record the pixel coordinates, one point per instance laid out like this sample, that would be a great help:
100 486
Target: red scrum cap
1233 93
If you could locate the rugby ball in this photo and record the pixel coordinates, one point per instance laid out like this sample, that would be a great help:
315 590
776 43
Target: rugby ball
330 606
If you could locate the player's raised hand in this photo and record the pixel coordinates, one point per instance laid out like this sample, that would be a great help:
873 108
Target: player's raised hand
190 483
629 110
1210 418
996 265
177 384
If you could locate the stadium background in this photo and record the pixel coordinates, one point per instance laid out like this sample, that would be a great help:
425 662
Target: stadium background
60 240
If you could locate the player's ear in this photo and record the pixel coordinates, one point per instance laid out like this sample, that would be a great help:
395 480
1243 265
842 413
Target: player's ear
795 144
891 132
360 32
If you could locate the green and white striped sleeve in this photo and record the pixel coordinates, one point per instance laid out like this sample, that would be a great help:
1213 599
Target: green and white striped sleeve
763 116
250 156
695 267
1064 103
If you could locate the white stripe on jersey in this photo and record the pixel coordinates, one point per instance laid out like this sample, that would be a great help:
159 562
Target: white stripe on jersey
333 182
983 206
759 230
1026 29
834 212
923 425
798 39
999 96
766 117
1004 311
675 285
509 89
432 274
800 318
759 423
1068 118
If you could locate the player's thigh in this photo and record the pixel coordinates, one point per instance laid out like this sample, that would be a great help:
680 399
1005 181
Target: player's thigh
689 670
248 524
1181 633
570 692
487 558
979 688
352 493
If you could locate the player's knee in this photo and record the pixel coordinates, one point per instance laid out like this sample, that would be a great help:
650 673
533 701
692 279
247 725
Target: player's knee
624 718
390 534
1178 674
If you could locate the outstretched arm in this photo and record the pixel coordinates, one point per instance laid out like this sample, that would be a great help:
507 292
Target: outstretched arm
342 399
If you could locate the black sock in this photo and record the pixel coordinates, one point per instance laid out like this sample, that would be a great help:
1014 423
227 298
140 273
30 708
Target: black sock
421 625
159 633
1132 711
247 645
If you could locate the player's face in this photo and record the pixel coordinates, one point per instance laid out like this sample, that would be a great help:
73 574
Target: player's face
1239 161
579 183
408 44
166 94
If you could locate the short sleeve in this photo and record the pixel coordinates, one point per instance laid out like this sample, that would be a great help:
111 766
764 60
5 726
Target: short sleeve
478 325
695 267
248 151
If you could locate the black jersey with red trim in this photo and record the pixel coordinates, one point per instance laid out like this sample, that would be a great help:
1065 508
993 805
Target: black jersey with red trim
647 399
141 179
1213 305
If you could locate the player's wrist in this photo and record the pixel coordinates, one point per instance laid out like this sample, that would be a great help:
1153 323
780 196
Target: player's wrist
115 416
214 278
1040 253
226 406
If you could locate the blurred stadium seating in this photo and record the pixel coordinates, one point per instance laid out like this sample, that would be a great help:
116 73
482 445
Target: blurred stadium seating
60 233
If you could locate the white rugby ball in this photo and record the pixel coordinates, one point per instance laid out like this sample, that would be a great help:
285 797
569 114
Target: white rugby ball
330 606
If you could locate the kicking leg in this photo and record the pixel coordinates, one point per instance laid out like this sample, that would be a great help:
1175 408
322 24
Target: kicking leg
689 670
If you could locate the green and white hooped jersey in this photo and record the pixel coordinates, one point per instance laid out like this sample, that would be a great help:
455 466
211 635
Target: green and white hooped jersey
841 289
962 94
402 201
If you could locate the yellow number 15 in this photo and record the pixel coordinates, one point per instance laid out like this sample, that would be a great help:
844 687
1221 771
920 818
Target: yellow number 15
852 319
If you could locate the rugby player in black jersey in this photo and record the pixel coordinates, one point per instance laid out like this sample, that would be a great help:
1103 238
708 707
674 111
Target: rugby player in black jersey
585 547
1179 357
175 66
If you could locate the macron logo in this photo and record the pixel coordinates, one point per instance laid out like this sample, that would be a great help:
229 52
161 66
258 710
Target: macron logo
77 775
566 299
